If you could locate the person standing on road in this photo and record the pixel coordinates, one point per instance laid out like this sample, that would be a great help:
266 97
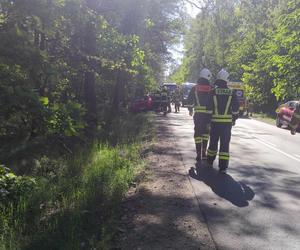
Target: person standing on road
250 107
295 119
176 99
156 98
165 100
199 102
225 113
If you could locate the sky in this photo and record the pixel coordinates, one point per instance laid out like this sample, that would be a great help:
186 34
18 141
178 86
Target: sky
191 9
177 52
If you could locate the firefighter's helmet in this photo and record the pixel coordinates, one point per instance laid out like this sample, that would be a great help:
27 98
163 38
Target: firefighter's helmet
205 73
223 75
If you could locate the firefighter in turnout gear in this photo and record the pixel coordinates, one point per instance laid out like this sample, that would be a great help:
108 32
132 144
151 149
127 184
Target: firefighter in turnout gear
156 98
200 103
165 100
176 99
225 113
295 119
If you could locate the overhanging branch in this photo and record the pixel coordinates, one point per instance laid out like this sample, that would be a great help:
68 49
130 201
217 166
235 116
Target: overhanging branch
193 4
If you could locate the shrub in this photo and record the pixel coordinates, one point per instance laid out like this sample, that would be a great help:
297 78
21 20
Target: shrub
13 187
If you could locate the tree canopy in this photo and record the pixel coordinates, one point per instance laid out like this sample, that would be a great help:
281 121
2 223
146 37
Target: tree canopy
67 67
256 41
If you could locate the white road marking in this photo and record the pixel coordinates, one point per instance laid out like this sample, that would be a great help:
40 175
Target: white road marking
251 135
298 156
278 150
271 144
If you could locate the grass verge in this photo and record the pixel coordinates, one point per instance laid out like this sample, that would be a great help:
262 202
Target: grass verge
264 118
76 200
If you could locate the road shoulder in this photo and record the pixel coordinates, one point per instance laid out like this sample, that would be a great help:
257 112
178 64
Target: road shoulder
162 211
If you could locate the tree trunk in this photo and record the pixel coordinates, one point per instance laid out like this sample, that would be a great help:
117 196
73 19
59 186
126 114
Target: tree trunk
90 48
116 97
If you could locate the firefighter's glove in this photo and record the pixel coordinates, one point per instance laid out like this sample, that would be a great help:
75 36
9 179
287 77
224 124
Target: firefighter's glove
191 112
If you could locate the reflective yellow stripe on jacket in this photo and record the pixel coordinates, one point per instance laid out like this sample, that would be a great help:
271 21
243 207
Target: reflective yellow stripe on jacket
222 118
226 118
200 109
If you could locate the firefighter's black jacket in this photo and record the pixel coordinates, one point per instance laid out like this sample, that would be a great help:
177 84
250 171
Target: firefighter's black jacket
200 98
225 104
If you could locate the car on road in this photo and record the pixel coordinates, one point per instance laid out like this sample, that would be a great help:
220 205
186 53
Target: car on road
285 113
239 88
186 88
143 103
170 86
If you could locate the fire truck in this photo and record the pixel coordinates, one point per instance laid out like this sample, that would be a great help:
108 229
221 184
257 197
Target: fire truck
239 88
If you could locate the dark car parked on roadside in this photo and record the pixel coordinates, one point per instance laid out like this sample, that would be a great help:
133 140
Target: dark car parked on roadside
186 88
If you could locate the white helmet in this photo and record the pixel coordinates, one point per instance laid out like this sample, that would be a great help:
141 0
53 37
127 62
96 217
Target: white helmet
223 75
205 73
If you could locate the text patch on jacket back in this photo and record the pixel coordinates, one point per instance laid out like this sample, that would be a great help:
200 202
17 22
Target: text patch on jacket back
223 91
203 88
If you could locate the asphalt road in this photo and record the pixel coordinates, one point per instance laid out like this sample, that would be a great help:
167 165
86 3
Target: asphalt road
257 204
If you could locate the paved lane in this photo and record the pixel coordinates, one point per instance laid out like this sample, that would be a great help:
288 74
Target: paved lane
257 205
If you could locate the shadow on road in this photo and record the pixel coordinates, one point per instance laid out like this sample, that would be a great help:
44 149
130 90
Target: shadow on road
223 185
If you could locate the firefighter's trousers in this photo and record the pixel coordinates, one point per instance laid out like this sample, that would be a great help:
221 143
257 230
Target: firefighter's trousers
169 107
201 135
219 132
156 105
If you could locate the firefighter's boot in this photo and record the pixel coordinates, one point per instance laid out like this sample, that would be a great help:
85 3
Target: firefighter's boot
204 156
223 166
223 162
204 148
199 152
211 156
223 171
209 163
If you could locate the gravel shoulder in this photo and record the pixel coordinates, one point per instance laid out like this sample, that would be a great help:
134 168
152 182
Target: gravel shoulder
162 212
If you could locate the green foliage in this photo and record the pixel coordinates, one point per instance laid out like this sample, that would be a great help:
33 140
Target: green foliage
12 187
275 68
65 65
75 199
66 119
15 193
72 206
208 39
257 41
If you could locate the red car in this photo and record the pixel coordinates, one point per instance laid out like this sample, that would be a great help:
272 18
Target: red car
284 114
140 104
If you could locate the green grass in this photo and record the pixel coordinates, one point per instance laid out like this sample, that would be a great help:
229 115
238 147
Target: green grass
78 212
264 118
76 202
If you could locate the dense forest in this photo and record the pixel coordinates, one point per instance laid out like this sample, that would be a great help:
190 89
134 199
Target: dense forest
68 67
68 70
257 41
